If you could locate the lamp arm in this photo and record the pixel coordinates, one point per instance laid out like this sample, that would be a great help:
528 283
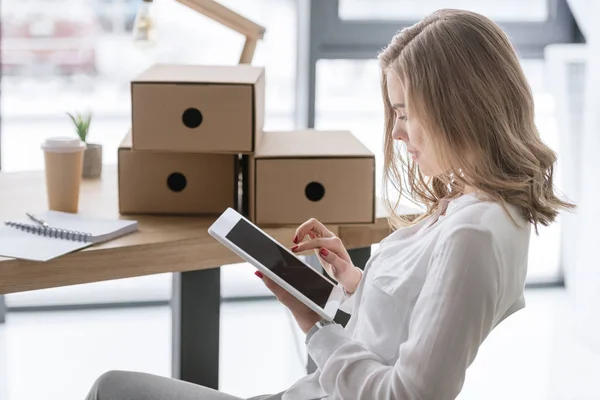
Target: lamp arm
225 16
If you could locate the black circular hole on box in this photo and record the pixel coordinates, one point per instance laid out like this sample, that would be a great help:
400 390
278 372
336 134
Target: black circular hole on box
176 182
314 191
192 118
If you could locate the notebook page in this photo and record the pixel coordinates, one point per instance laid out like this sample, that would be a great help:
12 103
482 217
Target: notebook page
101 229
15 243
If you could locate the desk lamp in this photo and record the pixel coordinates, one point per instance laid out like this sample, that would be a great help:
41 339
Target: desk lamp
144 30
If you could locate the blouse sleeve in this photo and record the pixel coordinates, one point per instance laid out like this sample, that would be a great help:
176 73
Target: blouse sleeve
452 316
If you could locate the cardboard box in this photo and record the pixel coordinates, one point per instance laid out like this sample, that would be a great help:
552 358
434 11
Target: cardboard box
175 183
295 176
204 109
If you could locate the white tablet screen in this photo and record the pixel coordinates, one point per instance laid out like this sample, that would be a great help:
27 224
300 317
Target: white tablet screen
270 254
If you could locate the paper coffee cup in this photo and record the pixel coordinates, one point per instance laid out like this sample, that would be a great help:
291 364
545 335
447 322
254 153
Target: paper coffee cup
64 162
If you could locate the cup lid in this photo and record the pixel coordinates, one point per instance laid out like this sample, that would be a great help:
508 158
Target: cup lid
63 144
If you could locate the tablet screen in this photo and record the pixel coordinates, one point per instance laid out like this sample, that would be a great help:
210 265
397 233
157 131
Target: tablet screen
270 254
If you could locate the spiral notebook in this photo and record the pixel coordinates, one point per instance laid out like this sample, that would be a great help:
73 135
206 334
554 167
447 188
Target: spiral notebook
63 234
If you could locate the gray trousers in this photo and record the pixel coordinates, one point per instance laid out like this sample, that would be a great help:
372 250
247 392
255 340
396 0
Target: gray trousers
124 385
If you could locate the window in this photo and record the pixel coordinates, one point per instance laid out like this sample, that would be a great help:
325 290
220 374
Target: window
499 10
75 55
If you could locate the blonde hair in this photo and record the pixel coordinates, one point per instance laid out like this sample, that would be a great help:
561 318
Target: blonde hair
463 80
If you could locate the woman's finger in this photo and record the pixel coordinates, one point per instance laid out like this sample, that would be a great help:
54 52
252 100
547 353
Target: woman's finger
340 269
285 297
336 264
333 244
314 226
277 290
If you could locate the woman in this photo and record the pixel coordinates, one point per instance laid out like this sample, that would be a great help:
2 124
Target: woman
456 98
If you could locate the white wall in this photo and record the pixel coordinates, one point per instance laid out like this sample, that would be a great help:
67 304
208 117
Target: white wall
585 288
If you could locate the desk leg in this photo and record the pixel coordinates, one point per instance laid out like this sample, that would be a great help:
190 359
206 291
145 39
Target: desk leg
196 317
359 258
2 309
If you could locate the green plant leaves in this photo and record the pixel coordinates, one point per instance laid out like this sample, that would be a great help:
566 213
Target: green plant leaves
82 122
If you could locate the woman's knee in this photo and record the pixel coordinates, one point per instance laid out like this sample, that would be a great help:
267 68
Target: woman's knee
108 385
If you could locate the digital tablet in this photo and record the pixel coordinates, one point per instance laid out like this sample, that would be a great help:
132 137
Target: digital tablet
277 262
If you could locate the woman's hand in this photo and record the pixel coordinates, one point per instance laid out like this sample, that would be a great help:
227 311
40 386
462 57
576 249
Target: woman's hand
330 251
333 256
305 317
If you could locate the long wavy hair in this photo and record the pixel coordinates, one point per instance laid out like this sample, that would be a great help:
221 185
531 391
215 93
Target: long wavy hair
463 81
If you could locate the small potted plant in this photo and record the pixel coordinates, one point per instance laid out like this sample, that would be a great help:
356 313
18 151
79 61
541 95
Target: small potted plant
92 157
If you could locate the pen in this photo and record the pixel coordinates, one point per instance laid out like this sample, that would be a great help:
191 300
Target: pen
39 221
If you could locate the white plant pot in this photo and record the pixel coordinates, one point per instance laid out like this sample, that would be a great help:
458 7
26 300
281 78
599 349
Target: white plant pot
92 161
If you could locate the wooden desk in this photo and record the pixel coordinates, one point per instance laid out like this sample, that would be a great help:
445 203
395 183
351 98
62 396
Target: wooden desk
178 244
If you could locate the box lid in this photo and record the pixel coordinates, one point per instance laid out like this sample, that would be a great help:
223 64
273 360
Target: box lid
311 143
126 142
174 73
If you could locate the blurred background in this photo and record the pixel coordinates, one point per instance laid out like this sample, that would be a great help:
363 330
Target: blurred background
61 56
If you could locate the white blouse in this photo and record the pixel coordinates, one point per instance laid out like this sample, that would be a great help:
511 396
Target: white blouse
429 296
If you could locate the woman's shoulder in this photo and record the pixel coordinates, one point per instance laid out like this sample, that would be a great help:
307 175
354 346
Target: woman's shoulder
502 226
474 217
481 213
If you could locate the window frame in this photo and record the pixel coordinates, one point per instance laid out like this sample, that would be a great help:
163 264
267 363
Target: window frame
322 34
